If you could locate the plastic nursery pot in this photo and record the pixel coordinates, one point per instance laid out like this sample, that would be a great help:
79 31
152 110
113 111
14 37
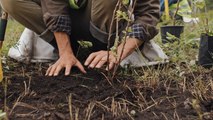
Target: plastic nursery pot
205 57
174 30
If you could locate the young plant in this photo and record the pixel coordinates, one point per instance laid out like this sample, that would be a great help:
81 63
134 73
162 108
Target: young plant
173 17
172 29
202 13
176 12
119 15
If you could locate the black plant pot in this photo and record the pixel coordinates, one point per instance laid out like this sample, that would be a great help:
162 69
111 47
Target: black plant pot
174 30
205 57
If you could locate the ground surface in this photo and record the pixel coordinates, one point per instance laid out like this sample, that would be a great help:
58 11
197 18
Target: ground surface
180 90
30 95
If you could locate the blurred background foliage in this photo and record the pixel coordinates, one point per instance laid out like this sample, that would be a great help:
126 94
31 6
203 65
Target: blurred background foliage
209 4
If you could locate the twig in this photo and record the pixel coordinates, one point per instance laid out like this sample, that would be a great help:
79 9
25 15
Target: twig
5 95
166 118
106 108
16 103
125 37
175 14
76 114
107 78
149 107
176 116
70 106
89 111
110 35
21 104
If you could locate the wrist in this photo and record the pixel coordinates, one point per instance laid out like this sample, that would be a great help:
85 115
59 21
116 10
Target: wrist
127 47
63 42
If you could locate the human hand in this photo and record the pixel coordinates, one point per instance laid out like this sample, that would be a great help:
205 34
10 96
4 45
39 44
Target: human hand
98 59
66 61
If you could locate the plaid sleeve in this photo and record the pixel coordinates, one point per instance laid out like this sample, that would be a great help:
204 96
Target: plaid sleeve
63 24
137 32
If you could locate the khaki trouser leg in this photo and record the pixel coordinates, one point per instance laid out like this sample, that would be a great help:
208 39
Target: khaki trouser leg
102 12
29 14
101 18
95 18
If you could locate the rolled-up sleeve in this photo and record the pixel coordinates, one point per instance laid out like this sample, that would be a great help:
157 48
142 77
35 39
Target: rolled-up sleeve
147 14
56 14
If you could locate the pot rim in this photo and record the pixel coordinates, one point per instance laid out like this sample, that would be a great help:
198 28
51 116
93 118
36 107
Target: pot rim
170 26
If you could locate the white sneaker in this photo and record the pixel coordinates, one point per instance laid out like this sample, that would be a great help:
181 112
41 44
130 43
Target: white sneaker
31 48
151 54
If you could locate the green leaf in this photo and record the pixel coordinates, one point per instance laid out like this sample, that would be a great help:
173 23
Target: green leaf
129 29
85 44
200 4
171 37
122 15
125 2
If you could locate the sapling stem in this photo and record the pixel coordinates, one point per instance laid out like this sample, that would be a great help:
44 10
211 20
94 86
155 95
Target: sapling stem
207 20
5 93
176 12
117 19
70 106
125 37
110 35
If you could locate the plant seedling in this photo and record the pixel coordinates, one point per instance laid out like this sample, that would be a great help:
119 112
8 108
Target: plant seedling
174 29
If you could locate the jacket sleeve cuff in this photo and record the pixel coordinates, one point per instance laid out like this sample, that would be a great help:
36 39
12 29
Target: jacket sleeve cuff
62 24
142 32
136 32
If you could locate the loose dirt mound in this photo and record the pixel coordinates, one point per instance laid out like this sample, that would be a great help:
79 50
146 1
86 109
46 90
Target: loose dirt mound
32 96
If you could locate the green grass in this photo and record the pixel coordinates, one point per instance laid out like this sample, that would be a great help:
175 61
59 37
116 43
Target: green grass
187 49
13 33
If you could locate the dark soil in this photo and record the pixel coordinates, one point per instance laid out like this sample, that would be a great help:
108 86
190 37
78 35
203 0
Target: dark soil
32 96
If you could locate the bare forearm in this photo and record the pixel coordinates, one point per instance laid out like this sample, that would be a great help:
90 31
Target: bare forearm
126 48
63 42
